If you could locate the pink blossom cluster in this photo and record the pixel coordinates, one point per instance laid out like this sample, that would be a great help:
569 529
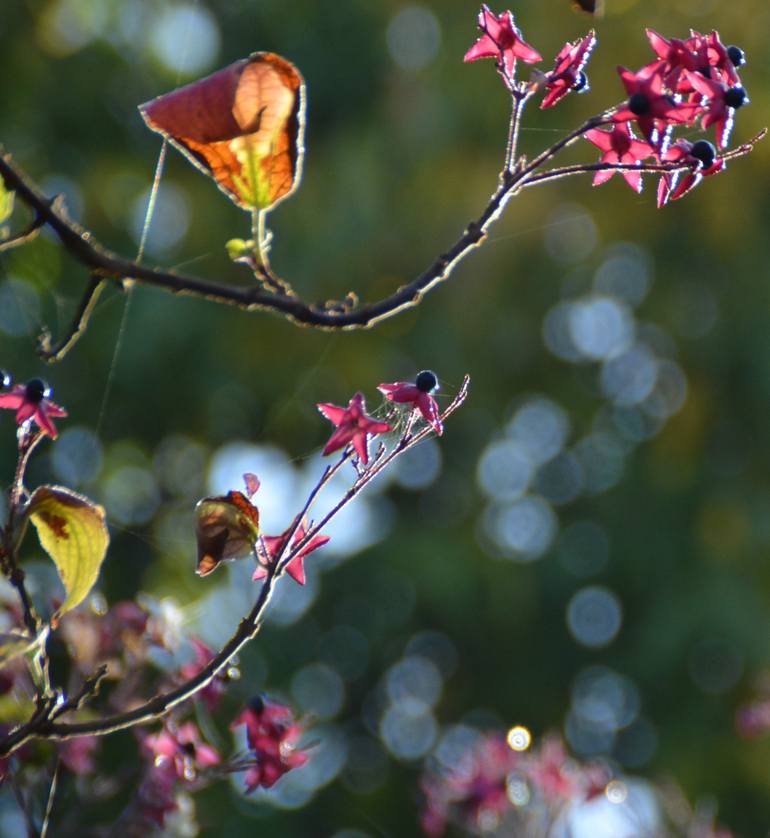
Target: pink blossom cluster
178 757
353 426
272 734
689 81
484 787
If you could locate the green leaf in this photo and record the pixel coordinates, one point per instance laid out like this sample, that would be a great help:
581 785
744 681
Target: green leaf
6 202
72 530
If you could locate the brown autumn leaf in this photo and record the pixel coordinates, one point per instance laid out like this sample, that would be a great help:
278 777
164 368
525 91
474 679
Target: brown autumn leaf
243 125
226 528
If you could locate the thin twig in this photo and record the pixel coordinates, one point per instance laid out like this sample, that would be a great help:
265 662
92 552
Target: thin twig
53 353
28 443
564 142
10 537
519 102
670 167
28 234
51 798
88 689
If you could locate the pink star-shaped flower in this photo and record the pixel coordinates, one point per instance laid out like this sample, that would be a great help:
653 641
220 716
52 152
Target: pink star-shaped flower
183 748
714 60
700 156
272 734
275 545
418 394
502 41
32 401
720 104
619 146
353 427
650 105
567 74
674 56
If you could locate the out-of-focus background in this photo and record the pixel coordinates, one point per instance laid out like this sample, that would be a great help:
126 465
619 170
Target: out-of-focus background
587 549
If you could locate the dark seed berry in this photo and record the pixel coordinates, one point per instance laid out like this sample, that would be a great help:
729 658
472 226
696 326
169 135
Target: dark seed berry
36 390
426 381
704 151
736 55
581 83
639 104
257 704
735 96
5 380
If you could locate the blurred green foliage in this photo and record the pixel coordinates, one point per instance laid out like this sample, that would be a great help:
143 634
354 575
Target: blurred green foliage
398 160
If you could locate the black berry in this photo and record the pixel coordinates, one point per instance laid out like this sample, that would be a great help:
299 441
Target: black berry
736 55
735 96
704 151
5 380
639 104
426 381
581 83
36 390
257 704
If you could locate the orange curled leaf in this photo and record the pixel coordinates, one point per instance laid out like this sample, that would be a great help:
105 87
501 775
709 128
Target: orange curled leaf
226 528
243 125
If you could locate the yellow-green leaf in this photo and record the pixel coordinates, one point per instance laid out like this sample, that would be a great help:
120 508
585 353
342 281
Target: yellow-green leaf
73 532
6 202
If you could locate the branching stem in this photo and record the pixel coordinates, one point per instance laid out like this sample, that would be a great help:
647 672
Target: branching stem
45 725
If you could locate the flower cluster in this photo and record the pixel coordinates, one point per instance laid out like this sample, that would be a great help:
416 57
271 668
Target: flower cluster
181 750
179 758
691 80
354 427
501 39
500 780
272 734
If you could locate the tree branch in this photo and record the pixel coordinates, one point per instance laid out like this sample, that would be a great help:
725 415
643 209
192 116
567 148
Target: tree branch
276 295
